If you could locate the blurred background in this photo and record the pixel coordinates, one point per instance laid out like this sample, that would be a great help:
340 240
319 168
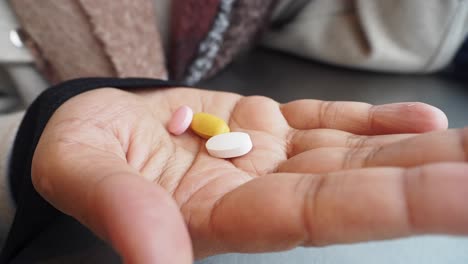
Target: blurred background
285 78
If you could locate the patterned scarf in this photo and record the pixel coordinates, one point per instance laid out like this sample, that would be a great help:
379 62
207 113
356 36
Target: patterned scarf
81 38
225 28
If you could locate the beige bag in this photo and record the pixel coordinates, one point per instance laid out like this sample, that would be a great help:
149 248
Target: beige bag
415 36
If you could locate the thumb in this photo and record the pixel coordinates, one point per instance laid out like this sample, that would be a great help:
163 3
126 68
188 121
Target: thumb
138 217
140 220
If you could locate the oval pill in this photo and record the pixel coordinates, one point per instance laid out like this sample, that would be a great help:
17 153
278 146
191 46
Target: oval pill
229 145
180 120
206 125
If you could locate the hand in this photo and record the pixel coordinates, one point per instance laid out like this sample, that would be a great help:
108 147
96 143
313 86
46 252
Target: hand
319 173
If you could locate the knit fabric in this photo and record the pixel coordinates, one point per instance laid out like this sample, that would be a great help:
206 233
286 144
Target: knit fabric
248 19
80 38
191 21
234 28
129 36
62 40
209 48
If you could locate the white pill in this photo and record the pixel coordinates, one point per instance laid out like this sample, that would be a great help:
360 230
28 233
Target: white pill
229 145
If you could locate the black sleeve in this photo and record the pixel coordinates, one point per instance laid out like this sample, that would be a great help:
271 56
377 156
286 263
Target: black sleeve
460 63
33 213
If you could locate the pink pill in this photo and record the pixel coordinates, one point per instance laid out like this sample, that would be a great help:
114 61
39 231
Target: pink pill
180 120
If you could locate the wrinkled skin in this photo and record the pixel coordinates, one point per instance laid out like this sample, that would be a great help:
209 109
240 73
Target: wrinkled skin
320 173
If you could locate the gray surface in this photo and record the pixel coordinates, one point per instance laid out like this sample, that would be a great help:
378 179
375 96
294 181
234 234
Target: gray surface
286 78
430 250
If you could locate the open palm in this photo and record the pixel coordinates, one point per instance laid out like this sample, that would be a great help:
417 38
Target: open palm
319 173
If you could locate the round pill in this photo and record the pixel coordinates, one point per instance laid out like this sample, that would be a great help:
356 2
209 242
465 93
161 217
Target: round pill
206 125
180 120
229 145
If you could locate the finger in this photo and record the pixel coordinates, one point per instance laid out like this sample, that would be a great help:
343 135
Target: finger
451 145
282 211
442 146
304 140
137 217
362 118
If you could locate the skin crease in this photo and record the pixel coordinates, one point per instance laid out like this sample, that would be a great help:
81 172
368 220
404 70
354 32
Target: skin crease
106 158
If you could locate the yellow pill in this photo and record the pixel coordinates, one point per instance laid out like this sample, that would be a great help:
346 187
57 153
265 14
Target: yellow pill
206 125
